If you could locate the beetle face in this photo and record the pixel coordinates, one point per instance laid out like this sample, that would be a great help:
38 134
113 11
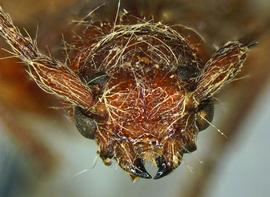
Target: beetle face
142 90
147 118
145 105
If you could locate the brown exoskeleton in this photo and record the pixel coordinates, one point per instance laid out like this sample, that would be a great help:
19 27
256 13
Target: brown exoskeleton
142 90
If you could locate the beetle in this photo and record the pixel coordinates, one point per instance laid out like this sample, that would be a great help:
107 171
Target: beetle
143 90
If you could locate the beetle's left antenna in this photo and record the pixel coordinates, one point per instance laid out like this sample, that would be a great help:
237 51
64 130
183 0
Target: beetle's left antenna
51 75
22 46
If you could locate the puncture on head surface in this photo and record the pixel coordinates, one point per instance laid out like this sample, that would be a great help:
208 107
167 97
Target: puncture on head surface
142 90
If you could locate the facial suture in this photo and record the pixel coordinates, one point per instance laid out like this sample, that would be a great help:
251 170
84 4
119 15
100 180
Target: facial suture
141 90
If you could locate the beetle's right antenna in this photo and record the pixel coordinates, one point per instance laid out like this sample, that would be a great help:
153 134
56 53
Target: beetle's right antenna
51 75
221 69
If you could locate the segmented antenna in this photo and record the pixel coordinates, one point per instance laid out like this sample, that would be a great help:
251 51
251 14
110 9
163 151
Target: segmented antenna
51 75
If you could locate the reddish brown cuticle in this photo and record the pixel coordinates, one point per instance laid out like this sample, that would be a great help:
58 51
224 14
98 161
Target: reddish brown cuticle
146 110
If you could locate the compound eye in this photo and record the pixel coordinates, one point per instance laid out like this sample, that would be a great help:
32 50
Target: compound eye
85 125
205 114
97 82
187 72
99 78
